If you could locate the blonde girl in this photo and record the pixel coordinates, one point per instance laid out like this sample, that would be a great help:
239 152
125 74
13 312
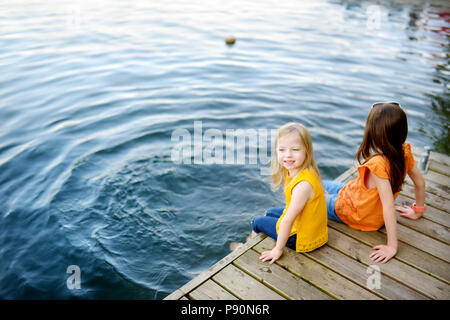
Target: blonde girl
367 203
302 225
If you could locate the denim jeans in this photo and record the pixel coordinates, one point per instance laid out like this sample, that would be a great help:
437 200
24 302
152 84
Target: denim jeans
332 189
267 224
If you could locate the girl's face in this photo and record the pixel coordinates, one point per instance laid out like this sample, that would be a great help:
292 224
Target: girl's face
291 152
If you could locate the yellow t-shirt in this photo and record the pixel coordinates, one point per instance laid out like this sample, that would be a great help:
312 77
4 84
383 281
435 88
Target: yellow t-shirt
310 225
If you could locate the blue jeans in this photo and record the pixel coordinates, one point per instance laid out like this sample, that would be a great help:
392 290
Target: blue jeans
267 224
332 189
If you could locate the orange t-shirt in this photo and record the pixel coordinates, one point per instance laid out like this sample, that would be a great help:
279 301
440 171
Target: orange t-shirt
360 207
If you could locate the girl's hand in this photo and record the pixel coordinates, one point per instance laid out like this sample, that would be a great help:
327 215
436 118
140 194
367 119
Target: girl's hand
272 255
408 212
382 253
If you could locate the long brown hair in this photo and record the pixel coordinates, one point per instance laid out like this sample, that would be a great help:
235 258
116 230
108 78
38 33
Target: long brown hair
278 171
385 133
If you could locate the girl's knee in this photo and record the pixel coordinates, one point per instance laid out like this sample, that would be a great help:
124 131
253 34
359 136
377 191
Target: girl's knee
255 227
266 225
274 212
332 187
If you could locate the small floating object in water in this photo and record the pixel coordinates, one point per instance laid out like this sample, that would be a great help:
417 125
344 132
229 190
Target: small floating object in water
230 40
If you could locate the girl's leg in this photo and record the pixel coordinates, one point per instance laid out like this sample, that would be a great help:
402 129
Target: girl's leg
332 189
291 243
331 212
274 212
267 225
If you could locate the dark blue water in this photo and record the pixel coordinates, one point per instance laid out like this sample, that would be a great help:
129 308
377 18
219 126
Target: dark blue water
91 93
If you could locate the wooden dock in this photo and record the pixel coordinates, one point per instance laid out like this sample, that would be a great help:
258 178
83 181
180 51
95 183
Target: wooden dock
342 269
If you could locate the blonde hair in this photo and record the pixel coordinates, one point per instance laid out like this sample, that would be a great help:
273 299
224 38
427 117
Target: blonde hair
278 175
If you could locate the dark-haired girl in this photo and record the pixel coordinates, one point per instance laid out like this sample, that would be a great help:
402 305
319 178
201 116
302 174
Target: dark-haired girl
367 203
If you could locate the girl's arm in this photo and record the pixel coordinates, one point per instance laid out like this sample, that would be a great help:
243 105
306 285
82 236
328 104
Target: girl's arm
382 253
419 190
301 193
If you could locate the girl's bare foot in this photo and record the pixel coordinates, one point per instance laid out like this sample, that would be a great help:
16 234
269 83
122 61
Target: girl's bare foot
252 235
234 245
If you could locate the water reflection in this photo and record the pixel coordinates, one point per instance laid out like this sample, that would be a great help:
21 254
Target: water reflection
436 20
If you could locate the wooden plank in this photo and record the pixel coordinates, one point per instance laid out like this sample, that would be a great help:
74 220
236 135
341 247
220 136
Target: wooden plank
416 151
183 298
352 176
406 253
440 158
432 187
427 227
280 280
437 161
439 167
244 286
422 242
209 290
437 178
430 199
175 295
402 272
346 174
425 224
357 272
327 280
432 214
208 273
434 156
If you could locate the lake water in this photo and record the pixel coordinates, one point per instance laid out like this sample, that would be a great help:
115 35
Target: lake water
94 93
